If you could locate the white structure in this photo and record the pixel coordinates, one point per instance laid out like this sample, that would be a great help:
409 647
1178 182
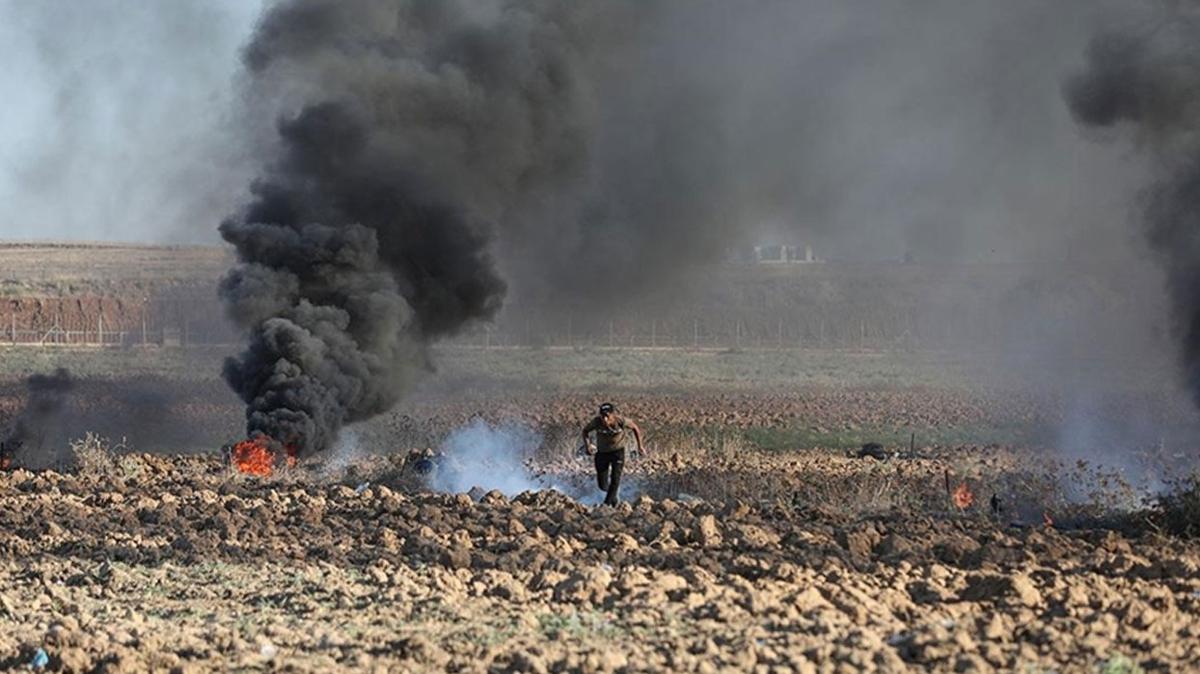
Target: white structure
780 254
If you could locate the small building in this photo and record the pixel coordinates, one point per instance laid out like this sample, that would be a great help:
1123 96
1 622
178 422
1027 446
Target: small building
784 254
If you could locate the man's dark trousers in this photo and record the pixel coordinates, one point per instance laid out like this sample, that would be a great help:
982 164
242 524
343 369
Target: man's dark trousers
606 463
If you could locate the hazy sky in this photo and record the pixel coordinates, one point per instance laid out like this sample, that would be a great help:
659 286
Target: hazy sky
868 128
114 120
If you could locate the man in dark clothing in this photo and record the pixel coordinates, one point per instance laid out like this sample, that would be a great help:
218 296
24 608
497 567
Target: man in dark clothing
612 432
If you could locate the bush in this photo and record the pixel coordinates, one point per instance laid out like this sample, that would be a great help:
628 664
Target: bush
93 456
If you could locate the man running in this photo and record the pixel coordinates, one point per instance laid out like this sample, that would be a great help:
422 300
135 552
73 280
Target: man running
612 432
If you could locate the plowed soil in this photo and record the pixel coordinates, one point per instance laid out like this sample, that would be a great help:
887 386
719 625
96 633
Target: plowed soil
140 562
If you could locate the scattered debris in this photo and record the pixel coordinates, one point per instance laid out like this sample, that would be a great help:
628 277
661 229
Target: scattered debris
424 466
40 659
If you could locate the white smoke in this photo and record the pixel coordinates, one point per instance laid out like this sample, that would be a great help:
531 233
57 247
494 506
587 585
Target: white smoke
489 457
1111 444
492 457
346 451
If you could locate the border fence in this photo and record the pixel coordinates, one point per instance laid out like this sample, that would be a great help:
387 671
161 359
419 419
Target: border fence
179 325
171 318
830 307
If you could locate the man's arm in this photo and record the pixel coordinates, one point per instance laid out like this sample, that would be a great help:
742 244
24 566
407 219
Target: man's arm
587 430
637 434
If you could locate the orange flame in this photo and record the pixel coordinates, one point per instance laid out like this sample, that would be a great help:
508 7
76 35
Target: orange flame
255 456
1046 520
962 496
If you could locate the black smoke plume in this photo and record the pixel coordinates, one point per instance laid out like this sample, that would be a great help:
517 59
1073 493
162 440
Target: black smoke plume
408 130
46 397
1146 81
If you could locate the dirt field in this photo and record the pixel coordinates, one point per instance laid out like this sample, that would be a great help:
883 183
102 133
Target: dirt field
157 563
754 540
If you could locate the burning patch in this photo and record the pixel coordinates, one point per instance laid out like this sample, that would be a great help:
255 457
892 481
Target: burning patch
962 496
257 456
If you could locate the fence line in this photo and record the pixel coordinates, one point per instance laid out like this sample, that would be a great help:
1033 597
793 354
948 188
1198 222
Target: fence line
823 330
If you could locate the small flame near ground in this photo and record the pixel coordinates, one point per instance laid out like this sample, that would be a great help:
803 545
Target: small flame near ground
256 456
1047 520
962 496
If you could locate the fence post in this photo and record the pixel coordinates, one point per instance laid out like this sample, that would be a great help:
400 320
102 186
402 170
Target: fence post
610 334
100 328
653 333
695 332
13 322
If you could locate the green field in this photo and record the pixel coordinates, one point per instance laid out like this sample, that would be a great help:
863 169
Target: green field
562 368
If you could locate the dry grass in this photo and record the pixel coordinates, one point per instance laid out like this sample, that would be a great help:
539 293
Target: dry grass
94 456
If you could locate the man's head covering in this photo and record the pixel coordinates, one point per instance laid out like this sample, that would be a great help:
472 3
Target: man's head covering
607 408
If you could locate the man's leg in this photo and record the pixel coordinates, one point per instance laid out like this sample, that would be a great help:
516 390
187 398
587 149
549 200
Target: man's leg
614 483
602 470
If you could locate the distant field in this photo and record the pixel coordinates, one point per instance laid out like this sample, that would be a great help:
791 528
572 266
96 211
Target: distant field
67 268
588 369
762 304
565 369
684 369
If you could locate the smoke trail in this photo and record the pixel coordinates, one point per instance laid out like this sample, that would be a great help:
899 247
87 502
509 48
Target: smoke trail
47 397
1147 81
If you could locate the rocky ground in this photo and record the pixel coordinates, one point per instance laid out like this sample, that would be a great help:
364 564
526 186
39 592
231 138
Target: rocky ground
802 561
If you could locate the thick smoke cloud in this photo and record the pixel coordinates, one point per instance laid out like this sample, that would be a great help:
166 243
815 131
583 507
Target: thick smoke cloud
416 126
1145 80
